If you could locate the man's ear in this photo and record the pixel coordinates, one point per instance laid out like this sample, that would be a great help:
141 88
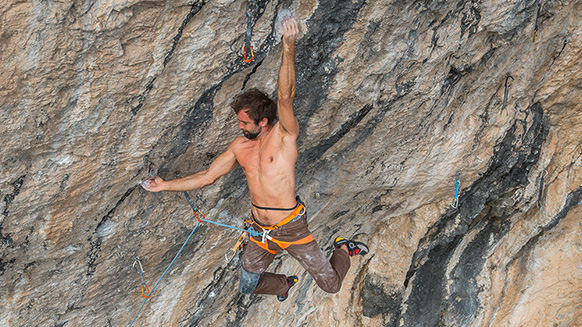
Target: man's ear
264 122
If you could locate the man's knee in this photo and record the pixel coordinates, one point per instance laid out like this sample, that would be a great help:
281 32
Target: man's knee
332 289
248 281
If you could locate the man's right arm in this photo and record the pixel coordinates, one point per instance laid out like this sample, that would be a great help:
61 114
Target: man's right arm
222 165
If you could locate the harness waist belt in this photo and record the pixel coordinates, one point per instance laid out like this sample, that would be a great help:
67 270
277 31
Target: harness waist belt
297 213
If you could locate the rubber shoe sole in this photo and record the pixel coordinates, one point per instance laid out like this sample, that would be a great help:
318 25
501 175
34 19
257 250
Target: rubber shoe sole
354 247
291 280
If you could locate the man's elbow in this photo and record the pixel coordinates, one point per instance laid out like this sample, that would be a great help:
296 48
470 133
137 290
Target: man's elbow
209 179
286 96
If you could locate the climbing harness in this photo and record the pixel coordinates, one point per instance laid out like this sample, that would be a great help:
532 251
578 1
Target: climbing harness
275 209
537 18
508 82
455 203
248 54
298 212
144 286
541 189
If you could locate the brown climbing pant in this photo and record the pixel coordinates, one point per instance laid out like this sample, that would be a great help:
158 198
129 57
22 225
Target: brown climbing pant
327 274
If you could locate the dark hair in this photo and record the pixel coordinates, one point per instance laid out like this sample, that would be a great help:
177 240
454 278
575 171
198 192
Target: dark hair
258 104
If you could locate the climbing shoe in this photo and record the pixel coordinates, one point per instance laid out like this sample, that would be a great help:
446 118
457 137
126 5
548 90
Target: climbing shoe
291 280
354 247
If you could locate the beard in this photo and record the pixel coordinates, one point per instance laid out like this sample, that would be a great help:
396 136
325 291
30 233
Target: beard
251 135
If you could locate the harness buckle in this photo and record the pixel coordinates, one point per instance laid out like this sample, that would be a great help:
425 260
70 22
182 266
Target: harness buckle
266 236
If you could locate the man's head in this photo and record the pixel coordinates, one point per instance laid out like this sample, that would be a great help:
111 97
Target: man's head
255 110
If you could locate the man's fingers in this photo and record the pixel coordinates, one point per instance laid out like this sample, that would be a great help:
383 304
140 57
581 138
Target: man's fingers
290 25
290 29
147 184
152 184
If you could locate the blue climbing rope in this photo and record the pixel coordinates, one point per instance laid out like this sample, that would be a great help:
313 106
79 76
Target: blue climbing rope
250 230
197 212
165 272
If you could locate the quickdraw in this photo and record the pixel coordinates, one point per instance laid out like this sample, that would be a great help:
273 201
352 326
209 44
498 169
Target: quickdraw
199 214
239 245
144 286
508 82
541 189
250 49
247 48
455 203
537 19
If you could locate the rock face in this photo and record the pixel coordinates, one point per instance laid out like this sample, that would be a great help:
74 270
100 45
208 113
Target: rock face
394 100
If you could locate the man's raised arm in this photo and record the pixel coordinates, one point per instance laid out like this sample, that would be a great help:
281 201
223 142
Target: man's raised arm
286 83
222 165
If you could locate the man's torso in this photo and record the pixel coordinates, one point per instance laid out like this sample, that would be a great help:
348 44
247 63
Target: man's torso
269 166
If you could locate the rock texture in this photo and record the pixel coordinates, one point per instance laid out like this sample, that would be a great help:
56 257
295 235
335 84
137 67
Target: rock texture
394 99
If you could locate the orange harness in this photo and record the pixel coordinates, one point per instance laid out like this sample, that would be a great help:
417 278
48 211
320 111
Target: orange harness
299 211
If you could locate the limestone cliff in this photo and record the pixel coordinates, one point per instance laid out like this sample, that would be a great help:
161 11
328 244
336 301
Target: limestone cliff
394 100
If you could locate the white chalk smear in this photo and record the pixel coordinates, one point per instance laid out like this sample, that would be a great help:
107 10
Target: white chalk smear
279 23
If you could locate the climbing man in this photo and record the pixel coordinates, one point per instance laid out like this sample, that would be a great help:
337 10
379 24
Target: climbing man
267 154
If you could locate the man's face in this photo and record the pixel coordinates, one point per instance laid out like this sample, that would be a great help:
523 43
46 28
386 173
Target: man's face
247 125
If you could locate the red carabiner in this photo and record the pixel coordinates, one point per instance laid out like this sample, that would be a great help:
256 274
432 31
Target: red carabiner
143 289
245 54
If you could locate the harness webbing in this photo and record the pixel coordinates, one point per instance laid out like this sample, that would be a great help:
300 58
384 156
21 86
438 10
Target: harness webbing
274 209
282 244
297 212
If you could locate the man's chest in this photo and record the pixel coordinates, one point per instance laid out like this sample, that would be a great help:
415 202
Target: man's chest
256 159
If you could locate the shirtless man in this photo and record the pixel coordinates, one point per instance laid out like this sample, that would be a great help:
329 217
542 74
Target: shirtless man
267 154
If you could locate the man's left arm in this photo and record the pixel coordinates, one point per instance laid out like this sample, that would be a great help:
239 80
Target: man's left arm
286 81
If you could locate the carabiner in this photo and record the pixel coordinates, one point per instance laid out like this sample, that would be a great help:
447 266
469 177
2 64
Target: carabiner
144 286
508 83
245 54
143 289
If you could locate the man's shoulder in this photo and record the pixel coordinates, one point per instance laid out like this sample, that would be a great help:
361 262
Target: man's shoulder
238 142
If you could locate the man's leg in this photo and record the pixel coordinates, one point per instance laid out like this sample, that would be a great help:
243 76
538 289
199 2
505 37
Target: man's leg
328 274
254 279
